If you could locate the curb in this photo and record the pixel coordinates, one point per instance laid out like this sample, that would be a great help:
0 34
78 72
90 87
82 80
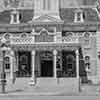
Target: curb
31 94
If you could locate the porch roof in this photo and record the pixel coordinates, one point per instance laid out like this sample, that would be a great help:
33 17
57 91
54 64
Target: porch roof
46 46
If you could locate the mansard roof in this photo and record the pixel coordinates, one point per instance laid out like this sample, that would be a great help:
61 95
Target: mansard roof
66 14
89 15
26 15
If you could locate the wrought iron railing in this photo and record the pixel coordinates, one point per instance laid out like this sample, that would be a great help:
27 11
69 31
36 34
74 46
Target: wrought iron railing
70 39
22 40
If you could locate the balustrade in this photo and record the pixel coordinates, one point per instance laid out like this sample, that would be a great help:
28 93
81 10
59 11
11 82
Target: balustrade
22 40
70 39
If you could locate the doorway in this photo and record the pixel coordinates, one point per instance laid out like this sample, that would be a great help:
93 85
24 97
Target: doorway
46 68
46 64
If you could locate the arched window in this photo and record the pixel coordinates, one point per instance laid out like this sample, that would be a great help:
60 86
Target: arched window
70 62
7 62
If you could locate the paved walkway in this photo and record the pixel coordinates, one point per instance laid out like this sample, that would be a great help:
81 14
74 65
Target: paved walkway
22 87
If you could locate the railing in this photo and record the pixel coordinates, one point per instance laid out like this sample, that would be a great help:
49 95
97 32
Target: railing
70 39
60 74
63 74
28 40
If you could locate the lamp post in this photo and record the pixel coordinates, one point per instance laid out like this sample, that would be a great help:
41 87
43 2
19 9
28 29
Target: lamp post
3 74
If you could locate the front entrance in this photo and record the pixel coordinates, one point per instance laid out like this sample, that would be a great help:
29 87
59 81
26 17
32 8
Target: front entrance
47 68
46 64
24 64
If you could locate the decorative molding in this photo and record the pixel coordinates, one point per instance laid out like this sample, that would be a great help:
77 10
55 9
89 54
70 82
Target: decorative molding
44 36
70 39
45 46
24 35
23 38
7 35
42 30
24 27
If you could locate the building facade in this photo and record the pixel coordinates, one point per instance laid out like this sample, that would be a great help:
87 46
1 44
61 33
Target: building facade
52 40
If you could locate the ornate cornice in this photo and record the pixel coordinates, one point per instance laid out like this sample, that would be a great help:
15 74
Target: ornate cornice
29 26
80 27
53 46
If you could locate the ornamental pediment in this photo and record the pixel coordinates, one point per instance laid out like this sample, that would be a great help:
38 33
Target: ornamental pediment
46 18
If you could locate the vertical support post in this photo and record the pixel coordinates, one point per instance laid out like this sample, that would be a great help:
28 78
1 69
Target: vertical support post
77 63
54 62
77 70
17 64
33 68
12 65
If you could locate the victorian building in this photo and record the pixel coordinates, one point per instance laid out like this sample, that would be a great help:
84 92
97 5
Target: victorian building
52 41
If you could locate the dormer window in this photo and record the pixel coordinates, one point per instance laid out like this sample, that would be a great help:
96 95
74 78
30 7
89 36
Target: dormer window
15 17
79 16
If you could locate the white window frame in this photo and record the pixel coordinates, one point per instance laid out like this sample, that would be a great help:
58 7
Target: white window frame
8 70
15 17
77 15
87 68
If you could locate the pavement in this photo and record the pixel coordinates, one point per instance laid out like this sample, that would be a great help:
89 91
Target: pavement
50 98
22 88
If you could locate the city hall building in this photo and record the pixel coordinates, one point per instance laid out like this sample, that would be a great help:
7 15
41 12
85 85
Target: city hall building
51 39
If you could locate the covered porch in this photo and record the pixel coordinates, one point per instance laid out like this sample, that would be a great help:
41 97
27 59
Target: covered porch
50 60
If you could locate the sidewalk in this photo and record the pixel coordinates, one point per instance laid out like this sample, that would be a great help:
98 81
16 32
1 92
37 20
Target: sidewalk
22 88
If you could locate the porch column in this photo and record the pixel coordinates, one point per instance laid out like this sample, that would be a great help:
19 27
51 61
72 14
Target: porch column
77 63
12 64
33 67
54 63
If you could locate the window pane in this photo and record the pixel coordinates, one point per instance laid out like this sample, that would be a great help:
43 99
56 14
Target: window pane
7 63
